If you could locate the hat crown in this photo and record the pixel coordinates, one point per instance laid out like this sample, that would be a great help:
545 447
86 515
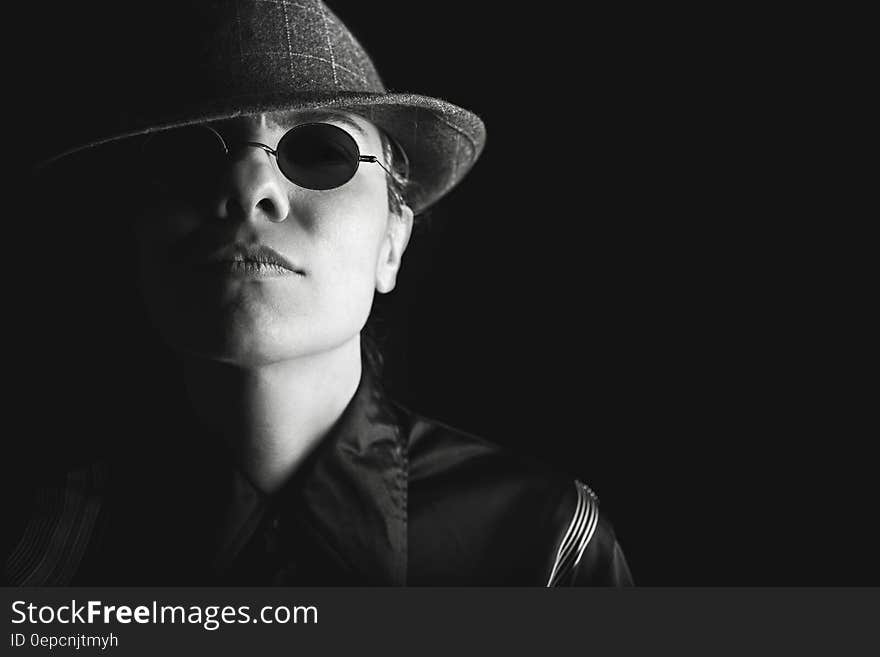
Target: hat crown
237 48
127 71
254 46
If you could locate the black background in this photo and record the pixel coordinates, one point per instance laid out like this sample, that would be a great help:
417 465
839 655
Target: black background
636 284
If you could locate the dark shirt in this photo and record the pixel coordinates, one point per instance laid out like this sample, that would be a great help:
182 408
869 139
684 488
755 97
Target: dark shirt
387 498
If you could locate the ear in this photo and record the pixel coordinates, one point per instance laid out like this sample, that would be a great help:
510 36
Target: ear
391 253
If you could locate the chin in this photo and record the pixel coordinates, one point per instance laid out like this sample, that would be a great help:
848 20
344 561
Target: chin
257 348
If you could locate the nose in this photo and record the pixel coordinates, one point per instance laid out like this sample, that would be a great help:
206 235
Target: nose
252 189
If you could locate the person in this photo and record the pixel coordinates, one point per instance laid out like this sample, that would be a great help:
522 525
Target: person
271 184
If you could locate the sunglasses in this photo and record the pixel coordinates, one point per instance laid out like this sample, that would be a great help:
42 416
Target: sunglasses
317 156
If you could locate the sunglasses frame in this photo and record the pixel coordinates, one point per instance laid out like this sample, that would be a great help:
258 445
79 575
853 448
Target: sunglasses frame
274 152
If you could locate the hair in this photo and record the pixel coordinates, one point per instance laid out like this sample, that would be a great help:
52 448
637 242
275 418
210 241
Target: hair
398 180
398 184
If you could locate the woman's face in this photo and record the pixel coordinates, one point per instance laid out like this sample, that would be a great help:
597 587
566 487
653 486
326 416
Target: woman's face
199 249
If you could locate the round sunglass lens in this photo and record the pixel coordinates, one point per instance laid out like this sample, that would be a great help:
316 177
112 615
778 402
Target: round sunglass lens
318 156
183 157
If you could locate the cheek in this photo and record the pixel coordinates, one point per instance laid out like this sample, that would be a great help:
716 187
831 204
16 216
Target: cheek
157 230
160 226
349 248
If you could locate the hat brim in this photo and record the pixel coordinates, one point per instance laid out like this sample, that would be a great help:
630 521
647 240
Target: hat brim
442 141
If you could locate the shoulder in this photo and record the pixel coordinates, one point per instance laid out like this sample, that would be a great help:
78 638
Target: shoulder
480 513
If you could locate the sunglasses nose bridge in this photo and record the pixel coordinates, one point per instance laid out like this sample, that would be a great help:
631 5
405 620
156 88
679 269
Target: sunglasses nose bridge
257 144
252 187
238 150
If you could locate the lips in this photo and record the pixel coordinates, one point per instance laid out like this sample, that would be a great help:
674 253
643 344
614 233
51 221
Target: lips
248 267
248 259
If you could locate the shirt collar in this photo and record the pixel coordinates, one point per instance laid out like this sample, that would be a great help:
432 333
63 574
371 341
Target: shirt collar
351 491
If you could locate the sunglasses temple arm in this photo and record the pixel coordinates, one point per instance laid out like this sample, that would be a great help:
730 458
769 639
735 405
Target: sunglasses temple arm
373 158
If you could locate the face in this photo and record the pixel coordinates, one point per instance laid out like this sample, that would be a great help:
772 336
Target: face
201 248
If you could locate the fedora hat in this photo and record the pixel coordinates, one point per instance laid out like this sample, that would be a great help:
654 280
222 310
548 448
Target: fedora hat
128 73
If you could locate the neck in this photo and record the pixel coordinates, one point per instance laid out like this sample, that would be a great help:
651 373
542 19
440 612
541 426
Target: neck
271 416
